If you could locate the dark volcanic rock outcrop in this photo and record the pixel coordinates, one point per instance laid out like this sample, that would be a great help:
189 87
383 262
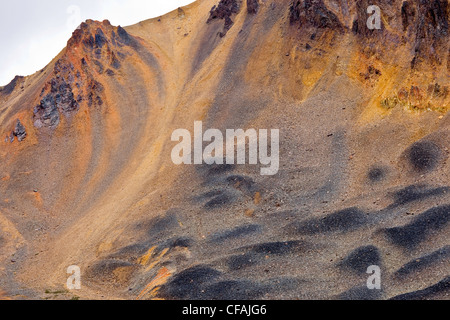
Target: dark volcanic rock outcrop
359 25
46 113
224 11
252 6
19 131
93 47
314 13
428 21
100 41
60 98
422 24
95 89
94 35
360 259
411 235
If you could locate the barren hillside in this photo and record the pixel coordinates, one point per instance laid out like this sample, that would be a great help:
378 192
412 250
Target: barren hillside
86 176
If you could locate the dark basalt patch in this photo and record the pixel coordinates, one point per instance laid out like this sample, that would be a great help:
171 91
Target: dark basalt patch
215 173
224 11
46 114
242 183
100 39
314 13
341 221
226 190
362 258
182 242
161 232
429 21
361 293
256 254
89 42
95 89
115 62
412 234
217 169
124 37
203 283
278 248
9 138
19 131
99 66
239 262
440 288
252 6
416 193
209 194
440 256
423 156
189 283
235 233
219 201
376 174
160 227
83 36
64 98
60 98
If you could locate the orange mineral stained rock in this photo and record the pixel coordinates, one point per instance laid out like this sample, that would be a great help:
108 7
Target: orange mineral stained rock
363 121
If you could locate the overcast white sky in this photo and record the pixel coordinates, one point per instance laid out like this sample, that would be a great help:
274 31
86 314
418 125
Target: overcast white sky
33 32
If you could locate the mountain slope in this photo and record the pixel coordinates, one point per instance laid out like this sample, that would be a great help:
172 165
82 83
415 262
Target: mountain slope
87 177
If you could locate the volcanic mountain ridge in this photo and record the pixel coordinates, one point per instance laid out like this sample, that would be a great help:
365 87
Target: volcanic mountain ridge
87 179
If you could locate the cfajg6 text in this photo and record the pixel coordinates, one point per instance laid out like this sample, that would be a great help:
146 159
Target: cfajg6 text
248 310
231 310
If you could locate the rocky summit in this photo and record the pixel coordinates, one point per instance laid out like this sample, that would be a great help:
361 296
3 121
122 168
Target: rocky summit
360 99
